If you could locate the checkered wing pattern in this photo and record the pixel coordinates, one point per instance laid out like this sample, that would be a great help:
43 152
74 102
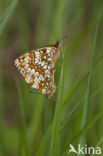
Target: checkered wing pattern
37 67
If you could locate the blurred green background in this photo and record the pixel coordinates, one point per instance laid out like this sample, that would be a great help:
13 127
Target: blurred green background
30 124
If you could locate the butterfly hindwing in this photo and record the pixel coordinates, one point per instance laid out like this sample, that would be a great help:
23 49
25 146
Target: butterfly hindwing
37 67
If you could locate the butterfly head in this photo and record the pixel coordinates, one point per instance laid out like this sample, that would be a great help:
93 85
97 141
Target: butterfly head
57 45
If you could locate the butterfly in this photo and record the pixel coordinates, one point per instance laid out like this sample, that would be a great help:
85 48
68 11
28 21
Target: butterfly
37 67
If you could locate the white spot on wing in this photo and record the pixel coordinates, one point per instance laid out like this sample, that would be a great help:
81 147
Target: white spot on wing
26 58
35 85
37 53
27 80
43 90
48 51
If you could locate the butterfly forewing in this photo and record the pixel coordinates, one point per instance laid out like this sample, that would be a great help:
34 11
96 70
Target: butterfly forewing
37 67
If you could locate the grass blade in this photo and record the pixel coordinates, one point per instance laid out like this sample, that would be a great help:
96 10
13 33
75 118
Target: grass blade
5 18
23 132
33 128
77 84
44 141
3 21
87 99
72 90
55 137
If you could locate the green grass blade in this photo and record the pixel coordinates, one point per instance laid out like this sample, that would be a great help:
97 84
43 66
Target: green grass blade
33 128
77 84
87 99
3 21
55 137
5 18
23 121
73 112
72 90
46 137
35 147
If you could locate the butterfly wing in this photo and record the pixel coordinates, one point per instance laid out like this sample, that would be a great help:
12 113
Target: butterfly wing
37 67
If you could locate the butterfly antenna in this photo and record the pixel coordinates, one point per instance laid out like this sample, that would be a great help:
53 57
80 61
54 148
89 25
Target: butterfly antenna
66 36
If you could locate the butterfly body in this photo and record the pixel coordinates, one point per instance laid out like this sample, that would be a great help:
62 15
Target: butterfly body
37 67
